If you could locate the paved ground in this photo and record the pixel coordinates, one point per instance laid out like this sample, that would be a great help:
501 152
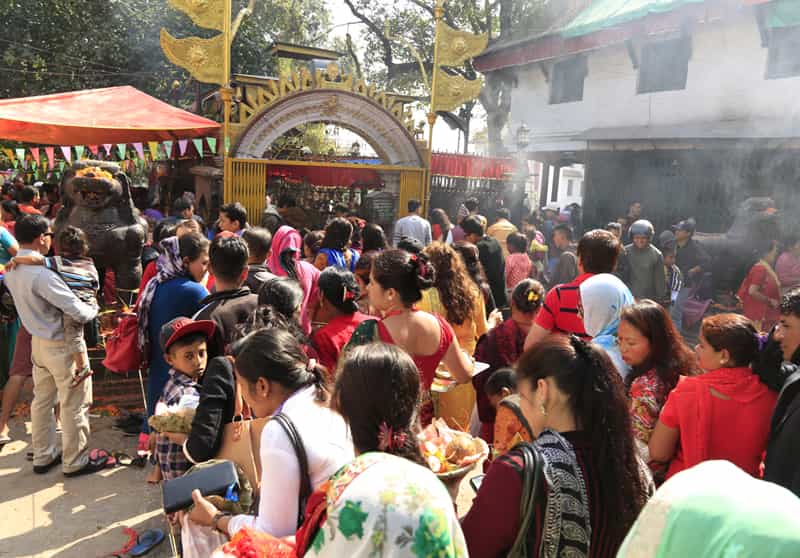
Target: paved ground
48 515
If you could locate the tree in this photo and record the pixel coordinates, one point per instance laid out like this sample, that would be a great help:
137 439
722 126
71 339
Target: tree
62 45
392 64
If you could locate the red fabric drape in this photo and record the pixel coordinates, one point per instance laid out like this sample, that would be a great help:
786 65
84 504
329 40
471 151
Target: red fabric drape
327 176
471 166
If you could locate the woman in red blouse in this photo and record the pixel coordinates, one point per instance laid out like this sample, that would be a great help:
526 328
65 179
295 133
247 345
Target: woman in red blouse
338 309
725 412
760 291
573 398
657 355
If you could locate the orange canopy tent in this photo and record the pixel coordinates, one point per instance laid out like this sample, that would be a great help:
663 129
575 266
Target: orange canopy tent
96 116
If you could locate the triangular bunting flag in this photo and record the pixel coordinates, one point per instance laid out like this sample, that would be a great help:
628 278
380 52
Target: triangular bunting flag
198 145
212 145
35 154
152 146
108 147
95 150
182 145
51 156
9 153
139 149
168 148
79 149
122 149
20 151
67 151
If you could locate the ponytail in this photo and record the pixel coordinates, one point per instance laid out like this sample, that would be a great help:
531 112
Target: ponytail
287 260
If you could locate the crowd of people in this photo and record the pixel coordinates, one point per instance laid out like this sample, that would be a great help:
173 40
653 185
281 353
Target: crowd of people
590 401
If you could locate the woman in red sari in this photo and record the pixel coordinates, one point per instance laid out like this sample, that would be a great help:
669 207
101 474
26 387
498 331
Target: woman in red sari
760 291
396 284
724 413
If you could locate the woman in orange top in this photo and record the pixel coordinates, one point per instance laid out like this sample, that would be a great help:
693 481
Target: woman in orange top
455 298
760 292
724 413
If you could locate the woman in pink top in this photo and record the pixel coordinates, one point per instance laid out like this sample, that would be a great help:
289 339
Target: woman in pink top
788 266
518 264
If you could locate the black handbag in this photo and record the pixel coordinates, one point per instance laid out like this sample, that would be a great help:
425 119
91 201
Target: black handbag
302 460
215 479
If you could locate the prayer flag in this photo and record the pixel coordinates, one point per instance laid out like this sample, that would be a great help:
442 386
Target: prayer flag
95 149
122 149
198 145
51 156
107 147
20 151
35 154
168 148
153 147
79 149
212 144
139 149
182 145
67 151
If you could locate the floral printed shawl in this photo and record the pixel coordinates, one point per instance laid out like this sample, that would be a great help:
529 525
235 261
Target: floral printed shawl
384 505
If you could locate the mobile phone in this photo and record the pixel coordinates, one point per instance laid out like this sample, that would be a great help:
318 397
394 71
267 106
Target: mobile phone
475 482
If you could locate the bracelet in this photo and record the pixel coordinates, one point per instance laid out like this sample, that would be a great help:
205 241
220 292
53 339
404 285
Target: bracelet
215 521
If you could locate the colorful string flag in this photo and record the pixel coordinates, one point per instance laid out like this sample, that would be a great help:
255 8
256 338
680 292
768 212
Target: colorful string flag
20 151
139 149
9 153
95 150
168 148
153 147
36 155
79 149
182 145
108 147
67 151
198 145
51 156
122 150
212 145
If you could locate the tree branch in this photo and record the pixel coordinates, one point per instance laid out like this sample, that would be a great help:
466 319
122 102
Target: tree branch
352 53
424 6
386 44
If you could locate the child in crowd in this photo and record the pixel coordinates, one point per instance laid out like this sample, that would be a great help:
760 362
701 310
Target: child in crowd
79 273
672 271
185 345
518 265
510 426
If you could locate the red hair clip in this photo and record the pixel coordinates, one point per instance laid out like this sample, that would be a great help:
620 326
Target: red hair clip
347 294
388 439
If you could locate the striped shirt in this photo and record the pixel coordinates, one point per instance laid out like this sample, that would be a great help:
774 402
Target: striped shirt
171 459
79 274
559 313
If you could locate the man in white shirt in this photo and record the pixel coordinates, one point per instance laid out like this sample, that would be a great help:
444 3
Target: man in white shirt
412 226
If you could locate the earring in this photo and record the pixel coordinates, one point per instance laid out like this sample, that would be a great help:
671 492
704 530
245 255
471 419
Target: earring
542 409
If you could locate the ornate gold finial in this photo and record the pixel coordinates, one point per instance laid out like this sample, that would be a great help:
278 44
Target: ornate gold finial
201 57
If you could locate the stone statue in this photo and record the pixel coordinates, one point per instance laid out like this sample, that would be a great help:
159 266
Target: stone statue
97 200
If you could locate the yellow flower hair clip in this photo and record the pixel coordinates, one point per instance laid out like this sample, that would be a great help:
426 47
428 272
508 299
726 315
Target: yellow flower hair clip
532 296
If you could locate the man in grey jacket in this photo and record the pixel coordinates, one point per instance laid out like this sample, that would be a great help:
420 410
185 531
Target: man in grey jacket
642 265
42 299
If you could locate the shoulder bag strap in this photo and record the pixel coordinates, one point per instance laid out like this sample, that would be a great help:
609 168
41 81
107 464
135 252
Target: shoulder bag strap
531 479
302 459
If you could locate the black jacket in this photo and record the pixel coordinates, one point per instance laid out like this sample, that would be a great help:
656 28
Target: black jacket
217 403
491 256
783 447
228 309
257 275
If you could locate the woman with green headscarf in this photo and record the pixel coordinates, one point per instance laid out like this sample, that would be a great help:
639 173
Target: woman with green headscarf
716 510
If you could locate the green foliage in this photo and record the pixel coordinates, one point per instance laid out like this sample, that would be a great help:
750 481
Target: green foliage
63 45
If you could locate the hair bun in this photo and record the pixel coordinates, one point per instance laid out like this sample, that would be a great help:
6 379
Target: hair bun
423 271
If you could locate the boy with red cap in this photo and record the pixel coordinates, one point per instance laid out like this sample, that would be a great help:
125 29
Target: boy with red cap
185 345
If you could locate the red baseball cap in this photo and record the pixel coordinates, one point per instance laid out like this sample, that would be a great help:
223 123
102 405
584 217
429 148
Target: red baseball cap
181 327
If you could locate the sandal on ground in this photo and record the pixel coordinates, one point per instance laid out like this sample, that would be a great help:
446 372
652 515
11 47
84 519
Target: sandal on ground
80 376
127 461
5 439
99 459
147 541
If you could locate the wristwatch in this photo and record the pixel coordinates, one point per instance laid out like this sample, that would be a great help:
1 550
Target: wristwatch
215 521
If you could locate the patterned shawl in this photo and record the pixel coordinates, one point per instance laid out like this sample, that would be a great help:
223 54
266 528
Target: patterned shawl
168 266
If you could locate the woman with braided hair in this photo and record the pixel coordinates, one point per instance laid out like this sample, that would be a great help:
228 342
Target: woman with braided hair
591 484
